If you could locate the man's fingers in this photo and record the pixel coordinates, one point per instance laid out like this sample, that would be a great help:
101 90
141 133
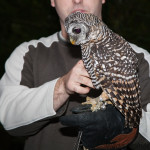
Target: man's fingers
77 77
84 77
81 90
85 81
83 71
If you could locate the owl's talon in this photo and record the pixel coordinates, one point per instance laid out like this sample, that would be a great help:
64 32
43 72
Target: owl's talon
103 107
106 103
100 99
97 103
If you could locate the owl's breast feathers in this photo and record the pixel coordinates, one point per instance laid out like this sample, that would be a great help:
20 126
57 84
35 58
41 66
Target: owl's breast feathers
112 65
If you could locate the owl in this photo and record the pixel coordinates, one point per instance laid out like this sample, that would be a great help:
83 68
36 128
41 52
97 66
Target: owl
110 62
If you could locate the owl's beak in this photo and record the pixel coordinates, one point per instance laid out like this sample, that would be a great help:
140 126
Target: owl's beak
73 42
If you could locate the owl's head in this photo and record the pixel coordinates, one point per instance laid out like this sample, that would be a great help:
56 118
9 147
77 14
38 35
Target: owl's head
82 27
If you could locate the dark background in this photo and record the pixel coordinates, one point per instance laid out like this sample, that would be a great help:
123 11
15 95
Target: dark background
24 20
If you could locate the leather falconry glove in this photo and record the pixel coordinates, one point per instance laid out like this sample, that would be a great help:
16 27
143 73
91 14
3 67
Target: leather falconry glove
103 129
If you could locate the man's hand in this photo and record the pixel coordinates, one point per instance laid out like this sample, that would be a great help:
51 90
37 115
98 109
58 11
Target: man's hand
75 78
103 129
72 83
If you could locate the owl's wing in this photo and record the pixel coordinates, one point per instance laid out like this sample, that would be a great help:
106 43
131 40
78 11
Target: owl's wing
124 94
118 77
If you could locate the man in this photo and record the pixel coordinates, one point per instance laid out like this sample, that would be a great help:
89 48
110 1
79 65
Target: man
43 81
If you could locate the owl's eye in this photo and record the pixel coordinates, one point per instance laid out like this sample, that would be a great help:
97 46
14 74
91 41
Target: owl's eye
76 30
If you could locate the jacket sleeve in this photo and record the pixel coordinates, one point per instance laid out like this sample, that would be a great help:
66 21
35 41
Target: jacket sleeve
21 106
144 70
144 77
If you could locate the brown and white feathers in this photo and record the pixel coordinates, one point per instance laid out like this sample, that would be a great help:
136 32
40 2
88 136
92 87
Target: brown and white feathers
110 61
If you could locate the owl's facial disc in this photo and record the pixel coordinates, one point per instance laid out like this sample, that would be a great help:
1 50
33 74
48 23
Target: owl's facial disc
77 33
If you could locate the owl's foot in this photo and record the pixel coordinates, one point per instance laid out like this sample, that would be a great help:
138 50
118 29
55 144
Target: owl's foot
92 101
98 102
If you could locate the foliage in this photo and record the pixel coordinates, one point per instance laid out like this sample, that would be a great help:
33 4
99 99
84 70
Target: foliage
131 19
23 20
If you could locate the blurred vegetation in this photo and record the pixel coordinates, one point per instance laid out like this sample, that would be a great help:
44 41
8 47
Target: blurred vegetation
131 19
23 20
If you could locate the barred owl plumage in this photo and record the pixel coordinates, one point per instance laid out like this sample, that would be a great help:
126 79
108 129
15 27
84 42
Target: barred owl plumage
110 61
